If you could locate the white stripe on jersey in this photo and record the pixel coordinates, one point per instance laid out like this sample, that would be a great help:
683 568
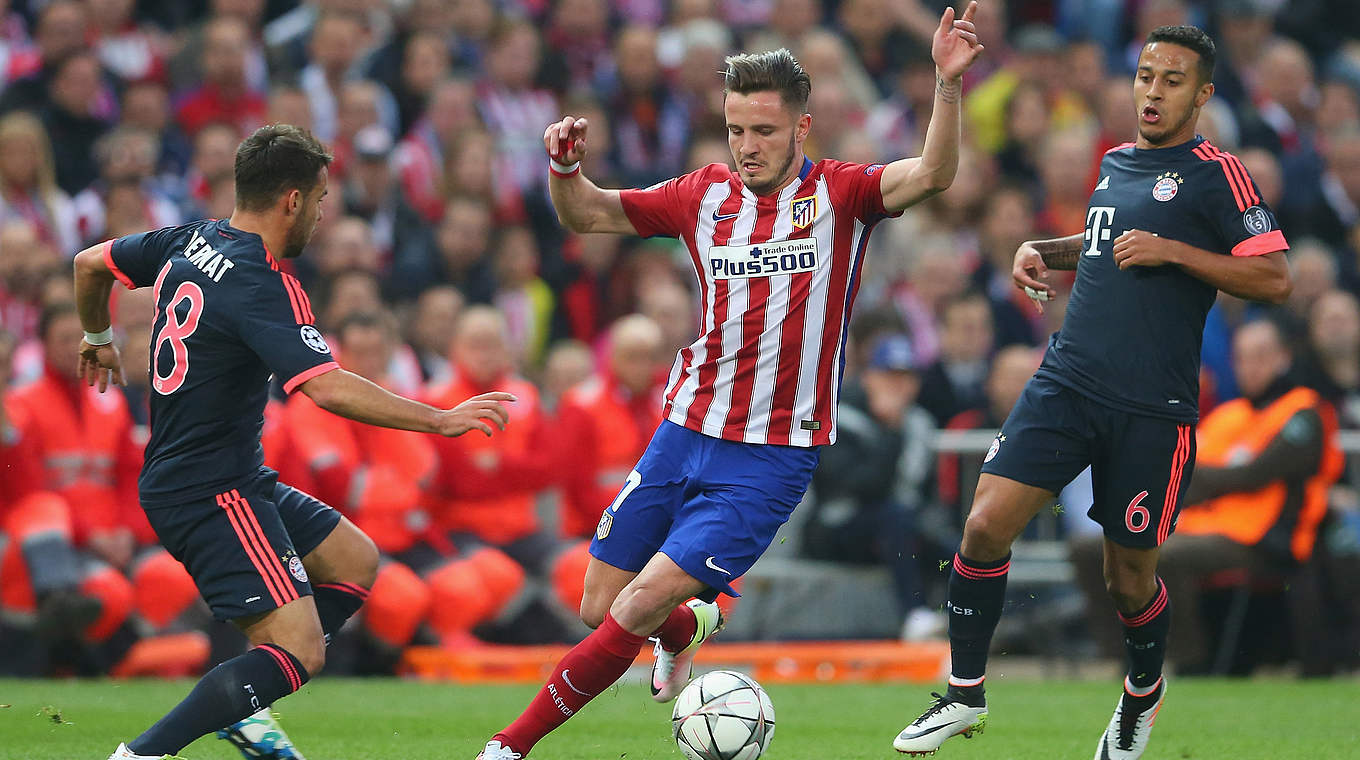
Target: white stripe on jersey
738 293
768 358
703 238
805 404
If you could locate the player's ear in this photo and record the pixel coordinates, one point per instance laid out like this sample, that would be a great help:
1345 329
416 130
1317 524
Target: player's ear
294 202
1206 91
804 126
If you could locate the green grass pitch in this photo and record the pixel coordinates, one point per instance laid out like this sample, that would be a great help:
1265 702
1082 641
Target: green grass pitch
345 719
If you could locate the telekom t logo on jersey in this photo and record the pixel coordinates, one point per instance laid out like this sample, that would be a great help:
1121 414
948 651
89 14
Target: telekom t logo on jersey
1098 222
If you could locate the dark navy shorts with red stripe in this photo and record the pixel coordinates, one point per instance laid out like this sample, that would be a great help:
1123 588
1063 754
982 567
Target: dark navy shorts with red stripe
244 546
1140 465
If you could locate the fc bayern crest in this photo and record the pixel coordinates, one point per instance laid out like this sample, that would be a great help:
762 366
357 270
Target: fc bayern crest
996 446
804 211
295 567
1166 187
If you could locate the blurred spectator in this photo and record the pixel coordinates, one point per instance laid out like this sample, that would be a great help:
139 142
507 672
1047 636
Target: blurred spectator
338 40
457 252
956 381
674 308
871 485
225 94
288 104
129 49
934 277
1007 221
83 557
75 117
577 35
451 111
146 106
186 68
25 262
991 109
1262 471
1332 366
1312 268
878 37
59 30
430 331
127 160
607 421
514 107
522 297
957 476
569 363
650 125
1027 127
1067 173
28 184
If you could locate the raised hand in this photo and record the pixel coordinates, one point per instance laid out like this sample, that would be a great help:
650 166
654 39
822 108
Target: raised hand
471 414
1028 271
565 140
101 365
956 44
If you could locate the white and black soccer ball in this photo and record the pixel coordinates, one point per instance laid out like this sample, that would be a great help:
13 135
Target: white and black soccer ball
723 715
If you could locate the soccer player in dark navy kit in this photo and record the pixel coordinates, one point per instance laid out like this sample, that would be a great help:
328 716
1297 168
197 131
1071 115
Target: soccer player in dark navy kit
285 568
1172 220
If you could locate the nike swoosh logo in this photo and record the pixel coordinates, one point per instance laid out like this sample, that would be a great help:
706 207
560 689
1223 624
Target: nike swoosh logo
724 217
929 731
711 566
570 684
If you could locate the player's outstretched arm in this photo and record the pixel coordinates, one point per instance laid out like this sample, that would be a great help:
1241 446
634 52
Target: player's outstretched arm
99 361
344 393
581 205
911 180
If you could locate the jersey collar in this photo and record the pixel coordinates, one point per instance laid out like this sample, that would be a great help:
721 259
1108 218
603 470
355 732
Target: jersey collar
1170 150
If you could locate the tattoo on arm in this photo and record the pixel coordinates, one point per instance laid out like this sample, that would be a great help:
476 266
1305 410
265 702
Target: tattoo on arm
1060 253
949 91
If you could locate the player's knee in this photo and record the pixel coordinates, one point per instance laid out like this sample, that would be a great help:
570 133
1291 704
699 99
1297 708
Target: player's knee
643 606
984 537
593 610
312 655
366 559
1129 589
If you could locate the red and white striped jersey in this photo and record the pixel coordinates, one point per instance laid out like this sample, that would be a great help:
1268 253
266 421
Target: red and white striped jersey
778 276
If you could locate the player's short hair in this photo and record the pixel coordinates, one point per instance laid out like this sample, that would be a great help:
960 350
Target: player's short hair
275 159
773 70
1191 37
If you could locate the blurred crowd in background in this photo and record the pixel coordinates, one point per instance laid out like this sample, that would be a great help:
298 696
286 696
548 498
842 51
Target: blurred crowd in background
439 270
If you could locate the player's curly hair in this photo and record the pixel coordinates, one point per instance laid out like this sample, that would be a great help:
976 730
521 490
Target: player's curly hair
1193 38
774 70
275 159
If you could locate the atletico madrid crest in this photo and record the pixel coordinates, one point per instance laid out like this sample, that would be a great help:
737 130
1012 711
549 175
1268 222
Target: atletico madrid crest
804 211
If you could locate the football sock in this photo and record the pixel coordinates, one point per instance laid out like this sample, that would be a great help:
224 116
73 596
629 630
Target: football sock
678 630
584 672
976 592
227 693
1145 634
336 603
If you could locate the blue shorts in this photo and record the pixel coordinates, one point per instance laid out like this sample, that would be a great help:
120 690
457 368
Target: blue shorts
712 506
1140 465
244 546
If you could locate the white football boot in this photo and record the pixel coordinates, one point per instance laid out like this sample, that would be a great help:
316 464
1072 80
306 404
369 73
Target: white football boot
123 753
259 737
672 670
1127 735
944 719
497 751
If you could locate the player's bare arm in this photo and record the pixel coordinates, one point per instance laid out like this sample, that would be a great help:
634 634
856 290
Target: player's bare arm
911 180
1256 278
349 395
99 362
1034 258
581 205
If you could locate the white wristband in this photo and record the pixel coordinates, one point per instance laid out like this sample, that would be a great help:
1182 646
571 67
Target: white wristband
561 169
101 338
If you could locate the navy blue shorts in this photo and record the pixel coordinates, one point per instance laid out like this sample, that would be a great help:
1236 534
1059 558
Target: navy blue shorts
1140 465
244 546
712 506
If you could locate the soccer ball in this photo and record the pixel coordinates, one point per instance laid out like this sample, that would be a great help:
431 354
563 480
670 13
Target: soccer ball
723 715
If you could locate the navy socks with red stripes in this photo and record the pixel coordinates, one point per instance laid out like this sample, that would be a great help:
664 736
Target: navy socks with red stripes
227 693
1145 633
976 592
336 603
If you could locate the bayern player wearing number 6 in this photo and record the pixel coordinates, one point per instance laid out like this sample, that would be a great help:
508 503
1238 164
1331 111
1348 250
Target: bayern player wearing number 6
778 249
1172 220
285 568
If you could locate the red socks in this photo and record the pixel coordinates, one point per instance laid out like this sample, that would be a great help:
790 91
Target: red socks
588 669
678 630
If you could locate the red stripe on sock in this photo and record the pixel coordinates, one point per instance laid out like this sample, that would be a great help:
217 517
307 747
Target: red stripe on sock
225 501
285 664
1153 609
979 573
352 589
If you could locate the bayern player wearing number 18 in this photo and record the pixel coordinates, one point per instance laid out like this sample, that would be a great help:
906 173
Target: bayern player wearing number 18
1171 221
778 249
285 568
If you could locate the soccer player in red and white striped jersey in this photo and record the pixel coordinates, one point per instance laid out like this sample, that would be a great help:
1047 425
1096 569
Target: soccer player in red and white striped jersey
778 249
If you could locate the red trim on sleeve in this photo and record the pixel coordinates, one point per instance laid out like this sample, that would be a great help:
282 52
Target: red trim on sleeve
1120 146
1259 245
108 262
308 374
